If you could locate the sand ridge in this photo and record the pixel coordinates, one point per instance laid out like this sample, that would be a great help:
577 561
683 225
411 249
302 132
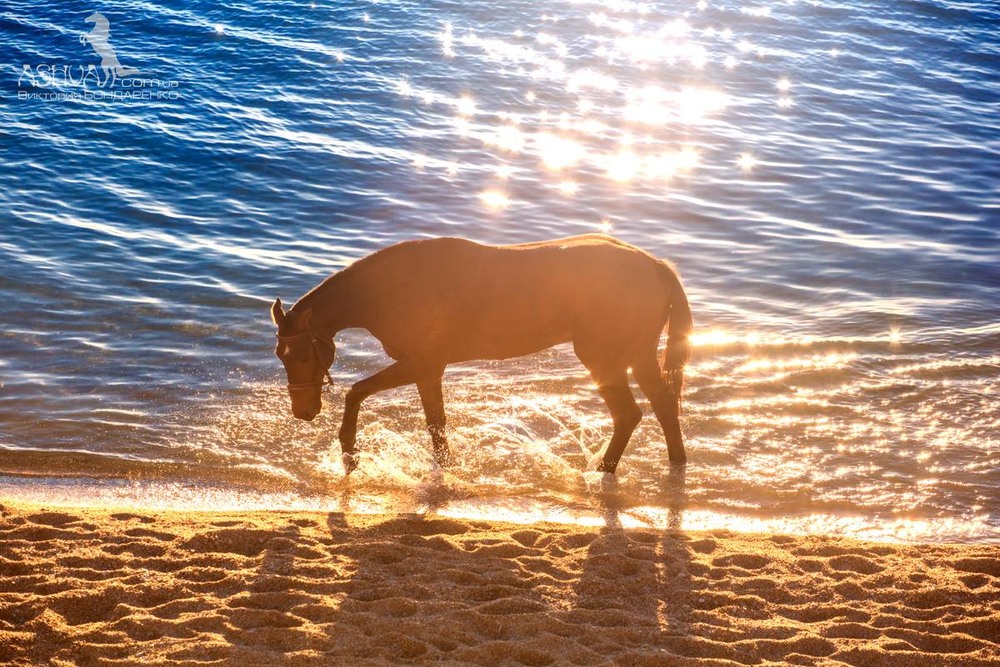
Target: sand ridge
104 587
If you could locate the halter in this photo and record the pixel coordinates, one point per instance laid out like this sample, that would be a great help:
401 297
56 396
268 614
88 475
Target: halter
316 341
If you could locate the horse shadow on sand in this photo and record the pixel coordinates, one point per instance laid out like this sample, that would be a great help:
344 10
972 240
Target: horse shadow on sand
430 588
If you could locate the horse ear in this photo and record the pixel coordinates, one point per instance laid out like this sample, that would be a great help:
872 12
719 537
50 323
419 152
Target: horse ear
277 312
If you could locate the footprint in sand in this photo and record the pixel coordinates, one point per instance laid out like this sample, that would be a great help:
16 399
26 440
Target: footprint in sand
855 563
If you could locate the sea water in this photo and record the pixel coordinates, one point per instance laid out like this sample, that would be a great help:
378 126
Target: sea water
824 174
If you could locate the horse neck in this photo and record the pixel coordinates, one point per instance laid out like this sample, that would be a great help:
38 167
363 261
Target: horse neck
333 305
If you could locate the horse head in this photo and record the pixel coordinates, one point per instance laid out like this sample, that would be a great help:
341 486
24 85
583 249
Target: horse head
307 357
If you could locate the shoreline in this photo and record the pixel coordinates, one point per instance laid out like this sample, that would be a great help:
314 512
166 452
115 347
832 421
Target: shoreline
107 586
440 499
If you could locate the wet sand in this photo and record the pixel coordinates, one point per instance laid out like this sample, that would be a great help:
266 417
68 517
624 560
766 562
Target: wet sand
110 587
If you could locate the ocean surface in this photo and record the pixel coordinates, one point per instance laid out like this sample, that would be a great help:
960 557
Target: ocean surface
824 174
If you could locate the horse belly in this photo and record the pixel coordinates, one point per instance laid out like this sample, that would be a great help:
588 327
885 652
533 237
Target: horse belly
523 326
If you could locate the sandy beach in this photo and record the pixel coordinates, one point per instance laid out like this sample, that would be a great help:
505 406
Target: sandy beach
111 587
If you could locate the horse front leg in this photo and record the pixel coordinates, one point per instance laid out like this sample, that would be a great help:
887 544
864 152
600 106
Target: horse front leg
390 377
432 398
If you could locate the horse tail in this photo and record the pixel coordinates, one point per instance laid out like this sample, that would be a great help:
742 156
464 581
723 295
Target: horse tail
679 329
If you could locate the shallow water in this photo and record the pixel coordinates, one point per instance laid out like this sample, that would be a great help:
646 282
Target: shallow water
823 174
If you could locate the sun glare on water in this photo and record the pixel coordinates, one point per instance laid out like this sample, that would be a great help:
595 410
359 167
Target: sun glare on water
495 199
566 117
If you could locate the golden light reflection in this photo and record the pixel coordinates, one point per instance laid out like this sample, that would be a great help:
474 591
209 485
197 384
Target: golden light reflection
525 511
558 152
569 188
666 165
495 199
832 360
688 157
723 337
589 78
576 131
447 39
746 162
465 105
462 126
507 138
653 105
624 166
641 109
662 166
757 12
590 127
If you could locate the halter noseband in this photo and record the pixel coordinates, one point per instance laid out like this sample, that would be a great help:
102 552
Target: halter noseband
316 341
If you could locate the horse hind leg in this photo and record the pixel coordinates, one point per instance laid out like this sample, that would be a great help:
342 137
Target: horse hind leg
432 398
665 402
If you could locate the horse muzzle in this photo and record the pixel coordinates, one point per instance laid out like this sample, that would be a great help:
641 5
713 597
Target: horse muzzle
305 415
304 406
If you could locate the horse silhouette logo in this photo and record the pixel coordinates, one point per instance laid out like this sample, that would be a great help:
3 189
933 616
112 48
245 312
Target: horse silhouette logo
98 40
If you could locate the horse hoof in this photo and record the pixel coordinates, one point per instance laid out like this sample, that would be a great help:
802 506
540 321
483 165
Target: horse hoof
350 462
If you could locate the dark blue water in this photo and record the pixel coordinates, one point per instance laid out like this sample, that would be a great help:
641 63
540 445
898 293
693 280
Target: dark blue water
825 175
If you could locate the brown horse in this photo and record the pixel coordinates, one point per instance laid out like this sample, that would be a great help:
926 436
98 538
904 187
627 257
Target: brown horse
441 301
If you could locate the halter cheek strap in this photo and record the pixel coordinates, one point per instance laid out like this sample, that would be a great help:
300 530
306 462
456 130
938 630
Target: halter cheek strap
316 341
